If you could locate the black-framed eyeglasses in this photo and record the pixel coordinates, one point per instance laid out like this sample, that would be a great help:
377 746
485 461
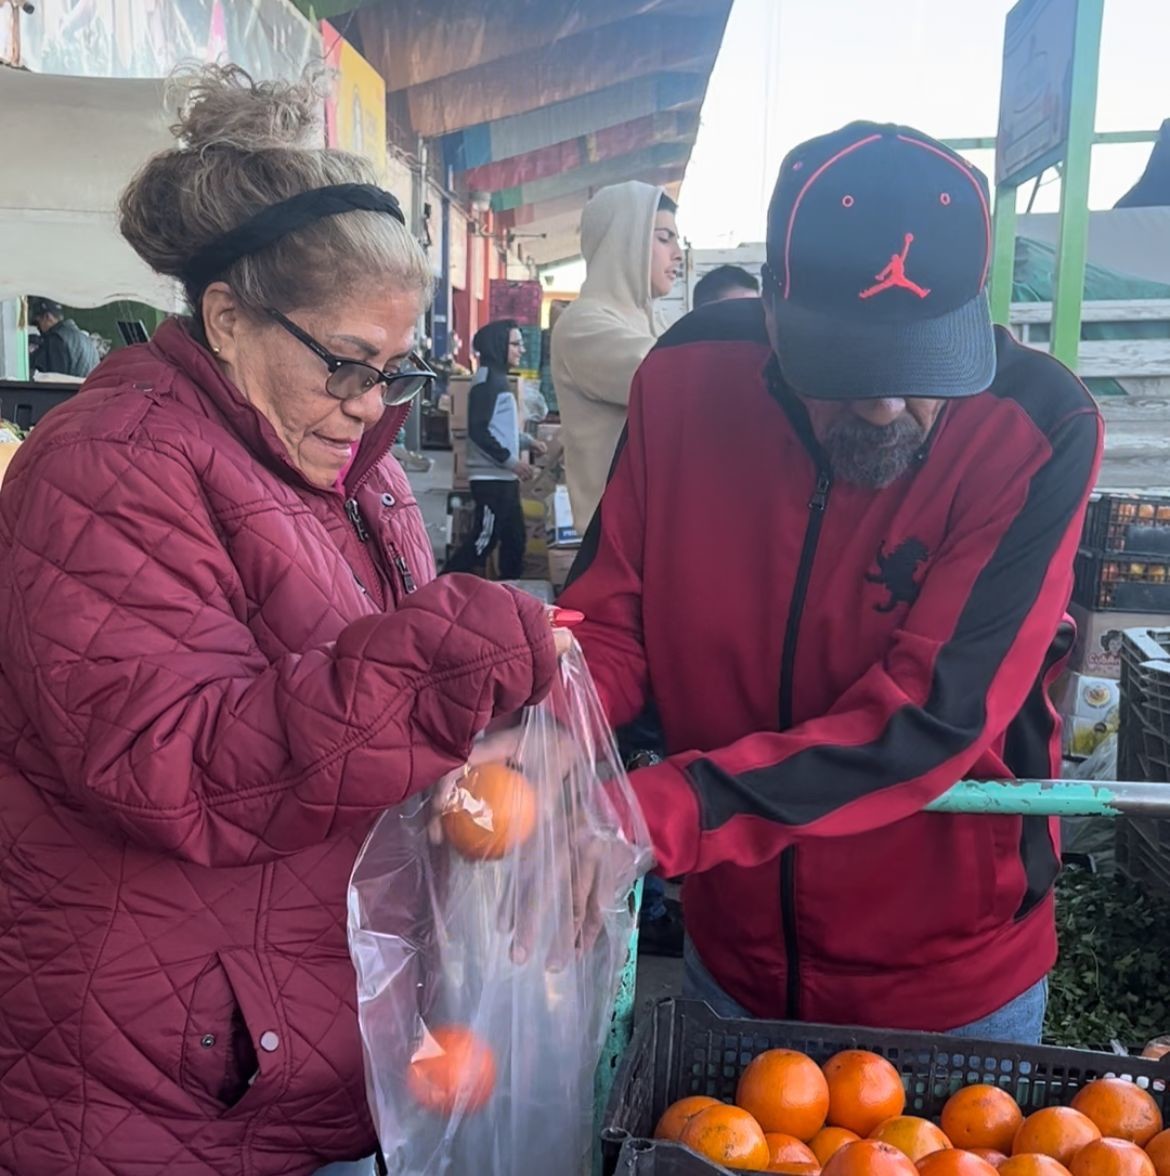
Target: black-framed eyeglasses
350 378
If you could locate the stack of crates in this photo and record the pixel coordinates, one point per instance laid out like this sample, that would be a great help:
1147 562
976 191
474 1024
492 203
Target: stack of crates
1123 564
1143 753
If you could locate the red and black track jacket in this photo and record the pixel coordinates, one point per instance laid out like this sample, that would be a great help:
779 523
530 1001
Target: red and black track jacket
826 660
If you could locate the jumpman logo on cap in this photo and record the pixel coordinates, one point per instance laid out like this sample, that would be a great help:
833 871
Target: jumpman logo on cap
893 277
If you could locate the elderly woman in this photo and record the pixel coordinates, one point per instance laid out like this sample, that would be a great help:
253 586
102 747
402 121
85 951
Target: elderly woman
221 655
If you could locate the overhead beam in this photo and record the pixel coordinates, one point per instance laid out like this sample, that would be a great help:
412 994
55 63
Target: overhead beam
593 175
413 43
565 69
529 217
624 139
486 142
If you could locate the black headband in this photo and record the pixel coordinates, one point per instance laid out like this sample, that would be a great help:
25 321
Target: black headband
270 224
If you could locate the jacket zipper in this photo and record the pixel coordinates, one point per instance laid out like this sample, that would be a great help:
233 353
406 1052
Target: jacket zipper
816 507
354 514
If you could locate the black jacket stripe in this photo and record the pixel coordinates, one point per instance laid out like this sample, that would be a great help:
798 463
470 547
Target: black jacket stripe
813 783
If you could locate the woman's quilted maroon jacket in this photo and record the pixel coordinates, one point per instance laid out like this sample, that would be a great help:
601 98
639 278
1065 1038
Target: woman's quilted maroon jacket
209 685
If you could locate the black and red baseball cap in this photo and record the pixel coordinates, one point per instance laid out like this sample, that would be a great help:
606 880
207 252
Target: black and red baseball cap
879 244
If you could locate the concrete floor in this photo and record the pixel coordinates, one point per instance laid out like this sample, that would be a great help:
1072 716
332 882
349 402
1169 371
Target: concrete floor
656 977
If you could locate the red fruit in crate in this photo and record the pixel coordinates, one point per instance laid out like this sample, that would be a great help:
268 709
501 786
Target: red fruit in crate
729 1136
829 1141
1112 1157
491 812
678 1114
1121 1109
916 1137
788 1154
453 1070
1059 1132
1032 1164
1158 1149
786 1092
864 1090
869 1157
982 1117
953 1162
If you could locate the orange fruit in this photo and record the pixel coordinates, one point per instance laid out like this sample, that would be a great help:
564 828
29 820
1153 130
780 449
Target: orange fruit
1158 1149
1059 1132
490 813
786 1092
788 1150
1121 1109
869 1157
954 1162
830 1140
982 1117
795 1168
864 1090
916 1137
677 1115
1112 1157
996 1159
1032 1164
453 1069
729 1136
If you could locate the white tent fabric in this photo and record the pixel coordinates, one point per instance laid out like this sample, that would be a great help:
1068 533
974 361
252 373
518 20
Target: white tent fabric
70 145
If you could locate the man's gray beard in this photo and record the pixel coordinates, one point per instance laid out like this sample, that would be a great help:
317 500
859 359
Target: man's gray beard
872 455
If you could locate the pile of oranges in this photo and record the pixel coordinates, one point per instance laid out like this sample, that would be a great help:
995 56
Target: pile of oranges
846 1118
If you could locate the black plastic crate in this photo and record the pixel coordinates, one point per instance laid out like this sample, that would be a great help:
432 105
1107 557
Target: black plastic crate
646 1157
683 1048
1129 522
25 404
1143 753
1122 582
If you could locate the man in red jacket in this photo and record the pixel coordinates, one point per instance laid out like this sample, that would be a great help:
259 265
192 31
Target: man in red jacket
836 545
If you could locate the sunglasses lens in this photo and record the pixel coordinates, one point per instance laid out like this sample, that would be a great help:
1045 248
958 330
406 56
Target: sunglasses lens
405 388
350 380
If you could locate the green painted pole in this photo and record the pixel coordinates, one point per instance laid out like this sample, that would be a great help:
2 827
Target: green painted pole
1068 291
1003 253
1056 798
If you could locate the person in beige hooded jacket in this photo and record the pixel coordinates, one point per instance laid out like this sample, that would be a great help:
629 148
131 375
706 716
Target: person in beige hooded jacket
631 247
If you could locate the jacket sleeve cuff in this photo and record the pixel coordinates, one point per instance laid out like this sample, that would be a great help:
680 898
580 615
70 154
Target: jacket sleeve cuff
671 810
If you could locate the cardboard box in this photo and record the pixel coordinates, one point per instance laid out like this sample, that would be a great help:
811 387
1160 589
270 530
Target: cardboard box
459 479
560 531
535 549
1098 645
1091 710
560 563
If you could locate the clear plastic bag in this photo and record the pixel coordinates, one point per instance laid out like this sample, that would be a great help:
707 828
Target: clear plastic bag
482 1020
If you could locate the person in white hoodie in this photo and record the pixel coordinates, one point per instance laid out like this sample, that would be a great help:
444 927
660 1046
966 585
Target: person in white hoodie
630 243
632 256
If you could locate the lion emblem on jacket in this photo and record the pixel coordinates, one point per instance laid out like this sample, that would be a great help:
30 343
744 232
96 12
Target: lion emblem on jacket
897 572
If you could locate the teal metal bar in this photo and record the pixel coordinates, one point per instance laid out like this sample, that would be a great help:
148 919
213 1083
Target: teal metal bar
621 1029
1056 798
1072 244
1003 253
987 142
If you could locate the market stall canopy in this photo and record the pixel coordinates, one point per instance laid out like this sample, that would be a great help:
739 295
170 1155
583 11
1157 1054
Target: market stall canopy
539 105
71 146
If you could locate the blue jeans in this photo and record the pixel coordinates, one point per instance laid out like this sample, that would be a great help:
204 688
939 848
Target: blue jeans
1020 1021
653 897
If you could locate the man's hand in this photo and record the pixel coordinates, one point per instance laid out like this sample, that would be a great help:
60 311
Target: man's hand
538 447
523 470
